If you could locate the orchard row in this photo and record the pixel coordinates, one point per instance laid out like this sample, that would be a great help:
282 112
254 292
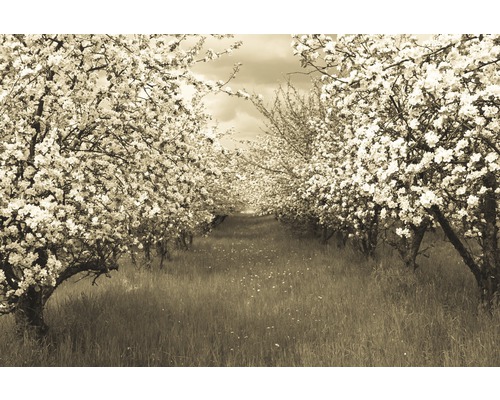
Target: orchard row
397 135
105 148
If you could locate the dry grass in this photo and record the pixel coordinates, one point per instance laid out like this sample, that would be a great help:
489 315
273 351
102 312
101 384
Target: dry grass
252 294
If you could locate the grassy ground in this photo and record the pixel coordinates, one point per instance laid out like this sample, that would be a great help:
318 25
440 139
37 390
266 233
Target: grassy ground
252 294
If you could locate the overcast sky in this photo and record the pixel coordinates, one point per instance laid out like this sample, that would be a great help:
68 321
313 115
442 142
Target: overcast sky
267 61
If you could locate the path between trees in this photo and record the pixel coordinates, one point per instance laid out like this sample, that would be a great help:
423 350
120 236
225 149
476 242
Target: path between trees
246 241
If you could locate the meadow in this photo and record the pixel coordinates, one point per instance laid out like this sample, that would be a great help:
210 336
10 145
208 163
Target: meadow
253 293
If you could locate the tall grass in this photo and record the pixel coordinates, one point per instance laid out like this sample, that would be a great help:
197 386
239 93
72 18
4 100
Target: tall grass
253 294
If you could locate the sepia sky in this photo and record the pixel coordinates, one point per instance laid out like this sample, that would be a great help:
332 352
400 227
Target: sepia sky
267 60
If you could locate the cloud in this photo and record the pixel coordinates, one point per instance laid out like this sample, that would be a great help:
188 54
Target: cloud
222 105
267 61
234 113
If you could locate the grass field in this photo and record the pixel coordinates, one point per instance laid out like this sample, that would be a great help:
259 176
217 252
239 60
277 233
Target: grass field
254 294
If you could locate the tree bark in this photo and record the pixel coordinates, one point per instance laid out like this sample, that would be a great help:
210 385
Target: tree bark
456 242
29 313
487 272
341 238
490 271
29 307
409 248
163 251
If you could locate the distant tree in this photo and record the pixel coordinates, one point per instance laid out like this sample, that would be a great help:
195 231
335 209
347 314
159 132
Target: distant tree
277 159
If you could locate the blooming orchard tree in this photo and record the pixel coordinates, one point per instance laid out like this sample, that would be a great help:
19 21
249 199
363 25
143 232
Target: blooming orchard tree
188 207
276 162
307 171
348 179
423 132
333 188
99 147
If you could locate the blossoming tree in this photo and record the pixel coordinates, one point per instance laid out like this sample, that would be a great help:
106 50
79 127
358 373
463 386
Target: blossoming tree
97 140
307 169
423 131
277 160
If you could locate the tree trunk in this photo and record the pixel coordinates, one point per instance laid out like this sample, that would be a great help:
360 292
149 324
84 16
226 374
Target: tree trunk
490 271
487 273
367 243
326 234
409 248
146 244
163 251
29 307
341 238
29 313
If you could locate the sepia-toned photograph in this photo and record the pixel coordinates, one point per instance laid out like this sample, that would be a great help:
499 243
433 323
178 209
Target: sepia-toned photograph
249 200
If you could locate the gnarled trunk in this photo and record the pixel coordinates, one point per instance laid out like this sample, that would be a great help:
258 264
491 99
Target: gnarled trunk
29 313
490 268
486 269
409 248
29 307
